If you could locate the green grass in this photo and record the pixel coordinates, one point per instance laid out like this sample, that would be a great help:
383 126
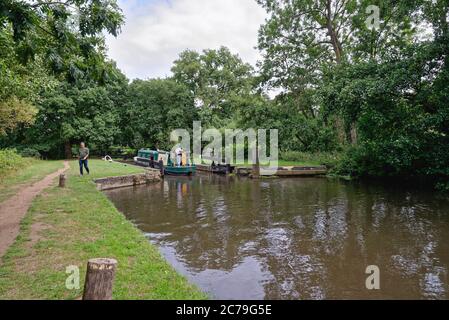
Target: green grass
81 223
33 171
101 169
330 159
297 158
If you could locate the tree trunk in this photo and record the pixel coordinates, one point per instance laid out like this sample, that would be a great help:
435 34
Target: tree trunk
68 150
353 133
336 44
255 173
99 279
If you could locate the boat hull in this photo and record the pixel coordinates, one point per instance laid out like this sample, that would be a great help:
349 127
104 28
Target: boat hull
217 169
168 170
180 171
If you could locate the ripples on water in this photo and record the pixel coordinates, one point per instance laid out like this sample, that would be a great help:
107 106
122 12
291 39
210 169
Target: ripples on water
308 238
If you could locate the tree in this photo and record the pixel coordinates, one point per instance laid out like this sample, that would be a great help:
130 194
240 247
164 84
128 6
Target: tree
153 109
53 49
400 106
19 86
68 34
70 114
218 80
15 112
303 39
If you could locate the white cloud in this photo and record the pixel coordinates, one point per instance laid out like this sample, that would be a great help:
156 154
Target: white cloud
156 31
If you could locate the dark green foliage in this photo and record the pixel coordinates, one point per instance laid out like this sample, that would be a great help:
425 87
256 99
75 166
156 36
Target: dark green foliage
401 108
73 46
153 109
73 114
29 153
219 81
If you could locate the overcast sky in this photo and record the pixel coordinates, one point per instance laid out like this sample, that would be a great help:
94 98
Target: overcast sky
156 31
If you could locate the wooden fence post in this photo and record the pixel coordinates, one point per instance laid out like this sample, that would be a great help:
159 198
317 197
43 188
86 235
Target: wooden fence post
62 179
255 173
161 167
99 279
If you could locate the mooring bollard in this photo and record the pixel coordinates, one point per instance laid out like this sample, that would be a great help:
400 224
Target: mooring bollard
62 179
99 279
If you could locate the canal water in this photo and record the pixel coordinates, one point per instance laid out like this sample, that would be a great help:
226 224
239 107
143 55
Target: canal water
307 238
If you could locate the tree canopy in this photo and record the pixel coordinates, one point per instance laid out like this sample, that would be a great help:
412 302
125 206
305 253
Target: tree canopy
218 79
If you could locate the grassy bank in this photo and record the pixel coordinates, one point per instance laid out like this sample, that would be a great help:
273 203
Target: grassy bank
67 227
296 158
31 170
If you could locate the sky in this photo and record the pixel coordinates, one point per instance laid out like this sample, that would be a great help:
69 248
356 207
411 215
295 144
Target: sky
156 31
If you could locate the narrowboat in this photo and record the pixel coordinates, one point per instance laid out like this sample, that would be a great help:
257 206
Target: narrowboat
164 160
217 169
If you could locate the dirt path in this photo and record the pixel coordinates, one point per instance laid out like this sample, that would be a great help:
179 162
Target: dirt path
14 209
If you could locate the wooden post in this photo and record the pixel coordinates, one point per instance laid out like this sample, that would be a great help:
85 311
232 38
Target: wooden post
256 167
99 279
161 167
62 179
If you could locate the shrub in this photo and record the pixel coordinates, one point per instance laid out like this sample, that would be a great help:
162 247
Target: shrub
29 153
10 161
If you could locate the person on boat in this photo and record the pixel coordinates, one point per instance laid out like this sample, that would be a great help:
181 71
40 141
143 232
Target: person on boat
178 153
83 154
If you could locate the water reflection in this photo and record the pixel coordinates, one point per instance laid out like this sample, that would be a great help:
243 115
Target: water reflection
295 238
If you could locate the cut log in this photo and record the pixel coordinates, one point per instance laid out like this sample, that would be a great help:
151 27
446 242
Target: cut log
99 279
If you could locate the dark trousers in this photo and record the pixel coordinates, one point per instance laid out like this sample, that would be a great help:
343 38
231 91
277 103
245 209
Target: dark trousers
85 164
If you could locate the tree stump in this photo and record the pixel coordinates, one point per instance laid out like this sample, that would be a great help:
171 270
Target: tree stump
62 179
99 279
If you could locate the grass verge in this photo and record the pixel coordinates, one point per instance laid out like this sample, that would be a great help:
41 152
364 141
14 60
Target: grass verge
66 227
33 171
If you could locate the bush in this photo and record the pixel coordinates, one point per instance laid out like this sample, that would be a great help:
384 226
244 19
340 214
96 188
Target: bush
29 153
10 161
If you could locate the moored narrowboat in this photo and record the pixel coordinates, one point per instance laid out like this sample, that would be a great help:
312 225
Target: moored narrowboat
164 160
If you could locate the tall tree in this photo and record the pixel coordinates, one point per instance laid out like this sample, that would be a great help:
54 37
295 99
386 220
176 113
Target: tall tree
64 39
400 105
71 113
303 38
68 33
218 80
153 109
300 36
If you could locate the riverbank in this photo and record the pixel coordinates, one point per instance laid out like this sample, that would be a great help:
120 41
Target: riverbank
66 227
